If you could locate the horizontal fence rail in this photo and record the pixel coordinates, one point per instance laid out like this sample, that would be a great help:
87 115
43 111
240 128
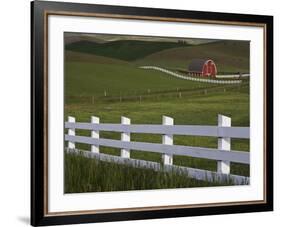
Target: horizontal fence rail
188 130
195 152
223 154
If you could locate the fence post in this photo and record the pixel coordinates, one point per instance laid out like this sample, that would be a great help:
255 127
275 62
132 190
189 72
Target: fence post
125 136
95 134
168 140
71 132
224 143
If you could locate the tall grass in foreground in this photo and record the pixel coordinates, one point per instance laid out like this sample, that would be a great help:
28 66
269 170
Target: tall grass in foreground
90 175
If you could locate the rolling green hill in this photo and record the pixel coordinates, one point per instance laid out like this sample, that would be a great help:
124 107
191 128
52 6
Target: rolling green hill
127 50
116 79
96 74
73 56
229 56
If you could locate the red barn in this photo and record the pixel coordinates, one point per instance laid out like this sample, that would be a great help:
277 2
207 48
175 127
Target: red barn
203 67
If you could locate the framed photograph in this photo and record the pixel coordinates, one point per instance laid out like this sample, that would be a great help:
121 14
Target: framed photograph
142 113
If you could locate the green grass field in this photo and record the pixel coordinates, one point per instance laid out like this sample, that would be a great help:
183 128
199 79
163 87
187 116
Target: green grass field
116 79
109 88
197 110
89 175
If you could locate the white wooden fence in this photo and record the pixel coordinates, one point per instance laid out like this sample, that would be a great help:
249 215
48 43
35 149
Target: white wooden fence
223 154
197 79
233 76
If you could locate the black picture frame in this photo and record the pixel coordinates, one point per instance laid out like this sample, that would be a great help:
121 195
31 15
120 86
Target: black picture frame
39 96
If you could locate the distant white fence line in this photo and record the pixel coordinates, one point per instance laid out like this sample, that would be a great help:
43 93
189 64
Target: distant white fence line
223 154
233 76
197 79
